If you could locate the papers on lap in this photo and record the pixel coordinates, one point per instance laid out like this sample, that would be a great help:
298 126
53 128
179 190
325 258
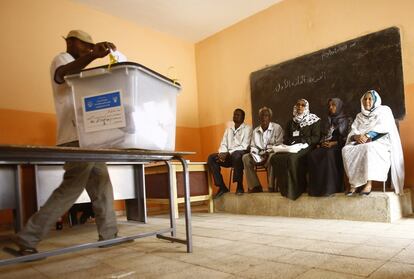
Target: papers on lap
295 148
256 157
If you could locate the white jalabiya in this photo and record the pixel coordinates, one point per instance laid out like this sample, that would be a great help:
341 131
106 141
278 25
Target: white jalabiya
372 160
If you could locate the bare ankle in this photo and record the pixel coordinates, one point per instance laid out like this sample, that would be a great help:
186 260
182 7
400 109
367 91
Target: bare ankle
368 186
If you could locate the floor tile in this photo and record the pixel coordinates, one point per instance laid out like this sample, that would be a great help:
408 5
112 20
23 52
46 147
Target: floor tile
196 272
56 266
328 247
389 242
272 270
351 265
395 271
371 252
404 256
20 272
304 258
324 274
265 252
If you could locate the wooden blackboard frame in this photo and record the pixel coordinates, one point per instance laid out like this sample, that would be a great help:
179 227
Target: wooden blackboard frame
345 70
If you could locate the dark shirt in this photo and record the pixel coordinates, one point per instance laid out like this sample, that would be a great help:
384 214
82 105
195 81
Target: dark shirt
308 134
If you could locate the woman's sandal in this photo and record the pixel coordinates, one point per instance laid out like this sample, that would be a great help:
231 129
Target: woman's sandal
364 192
351 192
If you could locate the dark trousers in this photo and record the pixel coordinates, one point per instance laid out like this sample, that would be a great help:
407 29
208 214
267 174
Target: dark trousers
234 161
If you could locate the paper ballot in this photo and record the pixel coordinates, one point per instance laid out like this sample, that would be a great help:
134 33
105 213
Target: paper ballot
295 148
119 56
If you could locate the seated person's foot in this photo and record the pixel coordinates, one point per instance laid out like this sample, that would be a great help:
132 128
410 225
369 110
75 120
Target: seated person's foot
239 191
257 189
351 191
367 189
221 191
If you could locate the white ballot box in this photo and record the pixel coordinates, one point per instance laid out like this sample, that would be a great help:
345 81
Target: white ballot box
124 106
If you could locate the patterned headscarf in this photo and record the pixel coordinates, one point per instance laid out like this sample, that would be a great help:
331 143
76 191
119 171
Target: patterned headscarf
306 118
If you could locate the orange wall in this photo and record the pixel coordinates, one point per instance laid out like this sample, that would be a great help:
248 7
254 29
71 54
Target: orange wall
31 35
284 31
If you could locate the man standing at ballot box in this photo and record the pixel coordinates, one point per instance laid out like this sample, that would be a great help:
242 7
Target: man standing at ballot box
92 176
234 145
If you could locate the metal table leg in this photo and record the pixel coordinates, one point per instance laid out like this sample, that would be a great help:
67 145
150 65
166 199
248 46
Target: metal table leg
173 224
18 223
187 205
189 240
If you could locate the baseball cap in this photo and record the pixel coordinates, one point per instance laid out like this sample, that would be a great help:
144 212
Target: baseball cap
81 35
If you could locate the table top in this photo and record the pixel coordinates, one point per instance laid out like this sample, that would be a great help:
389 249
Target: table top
35 153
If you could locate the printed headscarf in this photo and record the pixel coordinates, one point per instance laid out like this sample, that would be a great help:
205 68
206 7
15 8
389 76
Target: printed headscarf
306 118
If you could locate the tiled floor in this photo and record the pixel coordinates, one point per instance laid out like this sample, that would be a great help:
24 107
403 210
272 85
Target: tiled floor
236 246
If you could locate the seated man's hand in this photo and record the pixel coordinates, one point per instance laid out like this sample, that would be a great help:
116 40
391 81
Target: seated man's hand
265 156
222 156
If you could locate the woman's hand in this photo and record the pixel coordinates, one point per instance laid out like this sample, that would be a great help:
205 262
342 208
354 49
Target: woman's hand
360 139
329 144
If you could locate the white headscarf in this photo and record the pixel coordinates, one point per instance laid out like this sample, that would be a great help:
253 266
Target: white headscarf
377 102
306 118
381 120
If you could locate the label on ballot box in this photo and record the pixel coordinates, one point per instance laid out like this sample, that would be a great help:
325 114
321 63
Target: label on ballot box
103 111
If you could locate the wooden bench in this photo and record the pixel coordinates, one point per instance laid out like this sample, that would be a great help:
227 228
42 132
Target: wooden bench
156 184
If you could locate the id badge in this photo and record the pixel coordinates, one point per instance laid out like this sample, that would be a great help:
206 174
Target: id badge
296 133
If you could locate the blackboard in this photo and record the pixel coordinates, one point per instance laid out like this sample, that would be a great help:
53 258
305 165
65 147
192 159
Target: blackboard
345 70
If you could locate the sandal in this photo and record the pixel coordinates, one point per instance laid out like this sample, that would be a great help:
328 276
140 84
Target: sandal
365 191
22 252
351 191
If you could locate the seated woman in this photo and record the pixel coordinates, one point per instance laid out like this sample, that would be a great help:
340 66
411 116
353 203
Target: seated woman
373 146
290 168
325 163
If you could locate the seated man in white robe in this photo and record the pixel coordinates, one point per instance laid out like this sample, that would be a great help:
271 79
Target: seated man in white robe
264 138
